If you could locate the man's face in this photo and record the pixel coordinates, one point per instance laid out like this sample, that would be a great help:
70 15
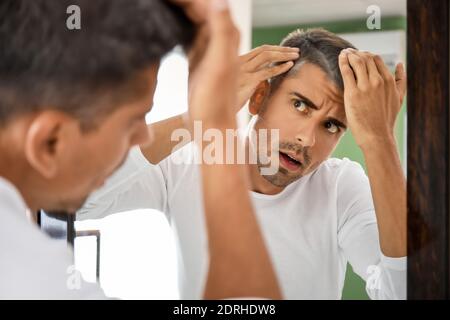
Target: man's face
89 158
308 110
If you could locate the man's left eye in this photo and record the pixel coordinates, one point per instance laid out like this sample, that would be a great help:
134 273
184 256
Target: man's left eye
331 127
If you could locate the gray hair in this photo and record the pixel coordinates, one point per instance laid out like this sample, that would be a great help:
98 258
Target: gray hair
319 47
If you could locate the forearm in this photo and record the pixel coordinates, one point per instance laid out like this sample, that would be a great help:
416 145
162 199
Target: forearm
388 185
162 145
240 265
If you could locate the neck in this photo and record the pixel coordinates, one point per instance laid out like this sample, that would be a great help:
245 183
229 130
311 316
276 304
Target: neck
13 165
257 182
15 173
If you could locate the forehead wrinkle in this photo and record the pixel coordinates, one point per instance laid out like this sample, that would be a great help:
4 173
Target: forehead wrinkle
331 91
334 95
336 105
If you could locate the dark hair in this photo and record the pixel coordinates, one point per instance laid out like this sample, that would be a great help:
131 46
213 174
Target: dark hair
86 73
319 47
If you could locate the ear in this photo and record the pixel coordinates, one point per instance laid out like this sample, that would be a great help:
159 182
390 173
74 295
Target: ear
47 139
258 97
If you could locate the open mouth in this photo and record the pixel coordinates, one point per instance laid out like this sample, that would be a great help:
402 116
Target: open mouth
289 162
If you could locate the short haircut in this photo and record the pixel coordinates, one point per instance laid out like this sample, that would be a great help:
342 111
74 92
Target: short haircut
86 73
319 47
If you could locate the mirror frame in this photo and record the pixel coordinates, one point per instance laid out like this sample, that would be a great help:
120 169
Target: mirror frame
428 168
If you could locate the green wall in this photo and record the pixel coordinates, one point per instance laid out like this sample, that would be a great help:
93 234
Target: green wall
354 286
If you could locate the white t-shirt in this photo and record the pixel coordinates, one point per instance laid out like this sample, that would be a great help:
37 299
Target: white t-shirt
312 228
32 265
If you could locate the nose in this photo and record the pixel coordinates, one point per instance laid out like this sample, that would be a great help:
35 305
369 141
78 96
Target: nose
307 134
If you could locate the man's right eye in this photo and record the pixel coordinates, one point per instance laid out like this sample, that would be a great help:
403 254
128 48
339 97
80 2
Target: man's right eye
300 105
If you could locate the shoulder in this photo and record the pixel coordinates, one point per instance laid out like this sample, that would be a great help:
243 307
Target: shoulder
340 170
35 266
182 162
337 164
352 190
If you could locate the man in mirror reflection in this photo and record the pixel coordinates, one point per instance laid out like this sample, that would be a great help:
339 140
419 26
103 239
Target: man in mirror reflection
316 212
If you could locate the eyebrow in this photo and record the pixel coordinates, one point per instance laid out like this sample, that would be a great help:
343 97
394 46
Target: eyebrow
312 105
302 97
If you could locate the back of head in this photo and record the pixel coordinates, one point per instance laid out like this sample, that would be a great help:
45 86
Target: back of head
44 64
319 47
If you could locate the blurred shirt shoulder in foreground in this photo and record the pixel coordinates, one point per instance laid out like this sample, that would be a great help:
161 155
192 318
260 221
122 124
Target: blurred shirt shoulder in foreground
32 265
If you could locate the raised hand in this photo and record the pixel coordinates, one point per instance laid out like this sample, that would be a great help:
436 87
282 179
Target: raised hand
259 65
372 95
